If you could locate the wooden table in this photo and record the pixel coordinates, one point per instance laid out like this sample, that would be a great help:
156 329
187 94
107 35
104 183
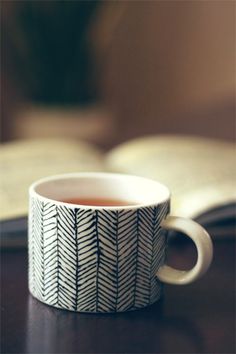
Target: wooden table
198 318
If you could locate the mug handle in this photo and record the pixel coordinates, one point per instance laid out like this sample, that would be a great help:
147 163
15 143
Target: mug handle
204 246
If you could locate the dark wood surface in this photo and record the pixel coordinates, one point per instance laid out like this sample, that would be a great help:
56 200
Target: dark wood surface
198 318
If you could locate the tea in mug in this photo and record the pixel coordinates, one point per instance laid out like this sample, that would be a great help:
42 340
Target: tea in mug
98 202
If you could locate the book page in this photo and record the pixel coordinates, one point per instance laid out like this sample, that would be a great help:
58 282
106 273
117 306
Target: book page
23 162
200 172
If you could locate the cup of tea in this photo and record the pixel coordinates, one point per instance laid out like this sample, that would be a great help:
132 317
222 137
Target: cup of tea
98 241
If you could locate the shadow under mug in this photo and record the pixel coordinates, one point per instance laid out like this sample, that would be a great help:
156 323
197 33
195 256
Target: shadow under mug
105 258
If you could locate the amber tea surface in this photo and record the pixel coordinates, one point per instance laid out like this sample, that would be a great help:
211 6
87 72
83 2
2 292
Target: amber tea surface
99 201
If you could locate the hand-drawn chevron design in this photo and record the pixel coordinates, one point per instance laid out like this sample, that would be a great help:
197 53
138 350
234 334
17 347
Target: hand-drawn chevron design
93 260
31 257
159 243
88 260
106 278
36 263
50 255
127 259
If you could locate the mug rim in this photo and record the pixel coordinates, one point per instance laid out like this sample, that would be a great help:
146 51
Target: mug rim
74 175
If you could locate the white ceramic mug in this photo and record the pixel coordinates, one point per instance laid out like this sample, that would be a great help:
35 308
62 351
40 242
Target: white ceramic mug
101 258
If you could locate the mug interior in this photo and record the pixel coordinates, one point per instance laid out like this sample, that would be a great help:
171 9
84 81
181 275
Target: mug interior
133 189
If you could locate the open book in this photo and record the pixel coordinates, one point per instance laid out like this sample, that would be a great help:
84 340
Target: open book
200 173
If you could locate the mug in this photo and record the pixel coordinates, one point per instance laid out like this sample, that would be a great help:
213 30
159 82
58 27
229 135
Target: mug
101 259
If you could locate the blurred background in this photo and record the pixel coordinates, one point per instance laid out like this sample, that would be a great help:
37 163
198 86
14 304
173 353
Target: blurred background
107 71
